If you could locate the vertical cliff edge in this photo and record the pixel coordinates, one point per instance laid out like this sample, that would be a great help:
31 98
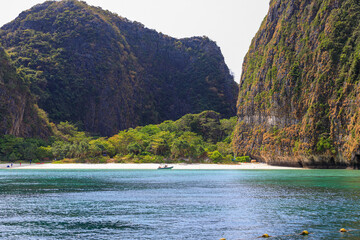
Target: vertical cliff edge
299 97
19 114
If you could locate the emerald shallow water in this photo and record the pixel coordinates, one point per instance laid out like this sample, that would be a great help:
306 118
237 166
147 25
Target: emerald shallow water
151 204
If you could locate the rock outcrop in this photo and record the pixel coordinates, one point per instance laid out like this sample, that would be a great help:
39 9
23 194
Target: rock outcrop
19 115
299 96
92 67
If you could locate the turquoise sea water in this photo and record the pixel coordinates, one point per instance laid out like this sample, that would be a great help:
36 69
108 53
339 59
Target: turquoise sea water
152 204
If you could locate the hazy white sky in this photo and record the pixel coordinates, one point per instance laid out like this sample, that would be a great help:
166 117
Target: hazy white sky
231 23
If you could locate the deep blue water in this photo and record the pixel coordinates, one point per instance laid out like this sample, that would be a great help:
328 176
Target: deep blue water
179 204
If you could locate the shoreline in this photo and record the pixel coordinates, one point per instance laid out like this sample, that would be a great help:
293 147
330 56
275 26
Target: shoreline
153 166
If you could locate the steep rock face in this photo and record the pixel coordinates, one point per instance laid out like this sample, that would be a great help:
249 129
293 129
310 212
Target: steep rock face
19 115
299 91
91 66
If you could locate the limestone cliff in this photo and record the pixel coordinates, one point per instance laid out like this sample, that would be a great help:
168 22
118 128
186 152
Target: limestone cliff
92 67
19 115
299 92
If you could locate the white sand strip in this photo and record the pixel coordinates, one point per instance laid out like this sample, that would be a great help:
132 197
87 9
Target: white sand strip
177 166
15 165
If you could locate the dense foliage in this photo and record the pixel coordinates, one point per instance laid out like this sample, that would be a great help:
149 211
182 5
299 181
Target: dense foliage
13 149
94 68
299 92
200 137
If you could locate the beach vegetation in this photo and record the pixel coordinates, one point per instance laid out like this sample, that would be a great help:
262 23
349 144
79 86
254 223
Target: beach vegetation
203 137
243 159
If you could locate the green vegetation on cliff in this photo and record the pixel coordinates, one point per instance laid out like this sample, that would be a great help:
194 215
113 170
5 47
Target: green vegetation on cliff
19 114
200 137
105 73
299 91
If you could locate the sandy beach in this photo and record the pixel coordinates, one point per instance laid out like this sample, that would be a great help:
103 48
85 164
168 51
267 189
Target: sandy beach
177 166
15 165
